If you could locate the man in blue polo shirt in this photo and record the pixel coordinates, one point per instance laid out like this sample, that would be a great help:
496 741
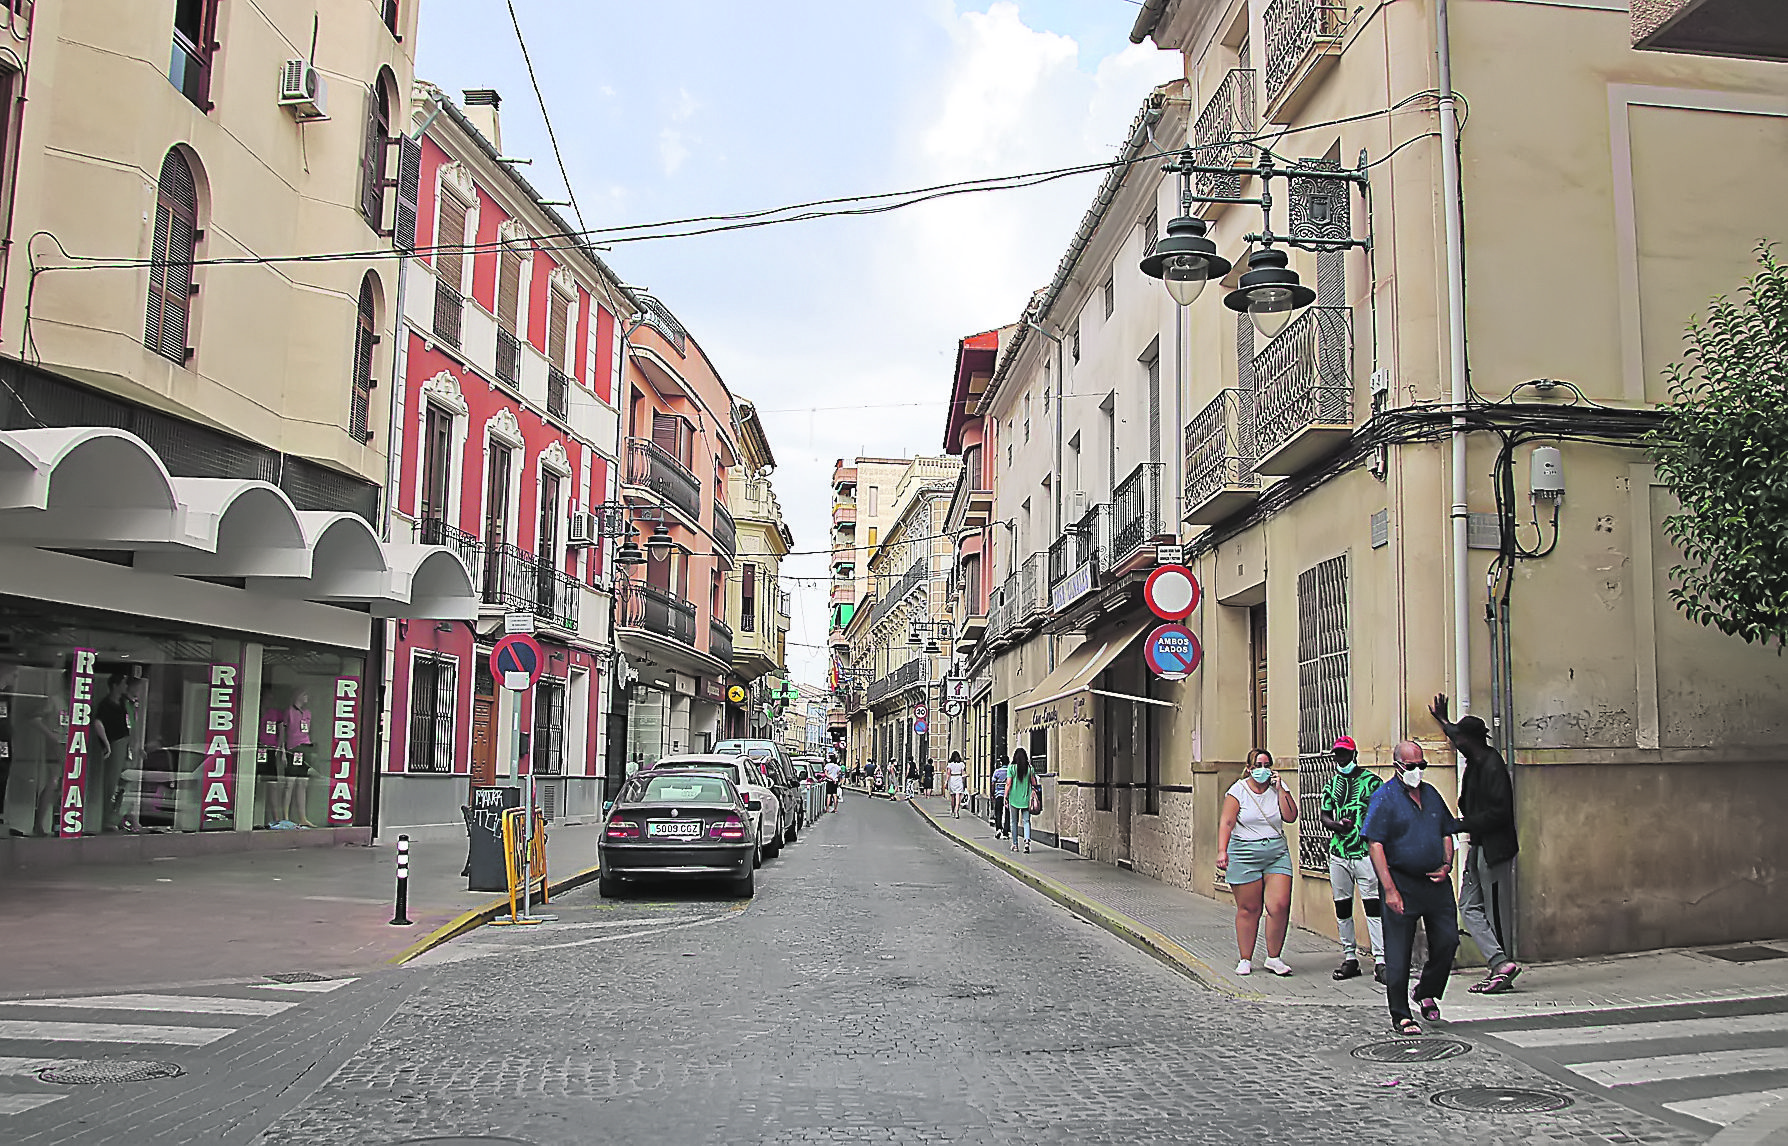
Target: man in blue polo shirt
1410 831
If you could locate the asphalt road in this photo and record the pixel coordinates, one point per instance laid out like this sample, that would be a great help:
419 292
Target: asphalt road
884 986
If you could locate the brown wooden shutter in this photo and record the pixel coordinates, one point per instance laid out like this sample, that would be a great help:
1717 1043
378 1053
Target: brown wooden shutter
170 270
666 433
372 156
360 402
409 181
558 318
450 258
508 289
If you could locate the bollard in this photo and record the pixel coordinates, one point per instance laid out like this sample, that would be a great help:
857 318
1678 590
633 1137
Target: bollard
400 917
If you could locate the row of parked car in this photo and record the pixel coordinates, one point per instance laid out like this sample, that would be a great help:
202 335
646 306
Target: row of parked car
709 816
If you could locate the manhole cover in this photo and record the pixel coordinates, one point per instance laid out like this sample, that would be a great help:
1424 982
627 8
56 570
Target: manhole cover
1501 1100
1411 1050
299 977
100 1071
1748 954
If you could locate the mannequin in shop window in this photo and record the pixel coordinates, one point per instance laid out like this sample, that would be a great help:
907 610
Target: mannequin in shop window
111 724
40 733
270 760
300 764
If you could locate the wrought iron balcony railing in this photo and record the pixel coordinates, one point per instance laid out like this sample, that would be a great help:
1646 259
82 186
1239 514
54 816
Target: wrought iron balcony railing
508 358
556 596
726 531
720 640
643 606
558 392
1084 551
1033 584
432 531
1136 510
1303 381
897 592
1296 32
449 309
1227 117
510 576
907 675
654 467
1220 454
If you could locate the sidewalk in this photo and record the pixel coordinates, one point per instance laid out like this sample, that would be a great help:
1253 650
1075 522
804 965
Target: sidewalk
1195 935
204 919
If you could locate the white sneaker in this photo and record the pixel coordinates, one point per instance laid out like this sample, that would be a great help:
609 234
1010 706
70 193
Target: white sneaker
1244 967
1278 966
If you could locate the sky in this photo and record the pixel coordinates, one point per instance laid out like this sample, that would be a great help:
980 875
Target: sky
841 331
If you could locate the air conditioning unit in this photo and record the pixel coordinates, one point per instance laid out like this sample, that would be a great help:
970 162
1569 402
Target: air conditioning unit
301 88
582 528
1077 505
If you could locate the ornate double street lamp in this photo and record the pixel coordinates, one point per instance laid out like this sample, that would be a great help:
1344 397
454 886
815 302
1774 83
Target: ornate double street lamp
611 521
1269 291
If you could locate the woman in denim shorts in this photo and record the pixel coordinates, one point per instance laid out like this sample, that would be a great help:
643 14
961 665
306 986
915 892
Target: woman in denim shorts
1254 858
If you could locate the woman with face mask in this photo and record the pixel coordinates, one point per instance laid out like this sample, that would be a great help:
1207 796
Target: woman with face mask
1253 855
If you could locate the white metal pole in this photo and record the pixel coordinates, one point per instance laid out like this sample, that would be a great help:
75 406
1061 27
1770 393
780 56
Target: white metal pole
1455 270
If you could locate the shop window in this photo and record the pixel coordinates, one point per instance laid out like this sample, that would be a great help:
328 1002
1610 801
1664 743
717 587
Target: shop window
1038 749
366 337
434 702
170 266
549 727
195 50
313 712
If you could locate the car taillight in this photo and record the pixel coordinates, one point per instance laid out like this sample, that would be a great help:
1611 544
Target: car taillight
619 829
731 828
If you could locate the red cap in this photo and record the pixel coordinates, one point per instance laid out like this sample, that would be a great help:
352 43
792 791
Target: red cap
1345 742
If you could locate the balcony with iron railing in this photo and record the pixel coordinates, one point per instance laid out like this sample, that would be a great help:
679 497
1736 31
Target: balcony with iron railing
906 676
720 640
897 592
654 610
1136 516
558 392
556 596
1078 555
1033 587
1220 456
516 580
652 466
1303 41
449 310
1303 378
726 531
508 358
1228 116
432 531
844 514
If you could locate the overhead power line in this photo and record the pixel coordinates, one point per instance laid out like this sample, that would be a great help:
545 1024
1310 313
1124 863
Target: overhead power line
551 135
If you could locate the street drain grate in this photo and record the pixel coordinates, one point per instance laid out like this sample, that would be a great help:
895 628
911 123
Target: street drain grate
98 1072
299 977
1501 1100
1747 954
1411 1050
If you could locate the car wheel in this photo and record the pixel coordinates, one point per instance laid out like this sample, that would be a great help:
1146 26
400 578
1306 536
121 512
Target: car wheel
775 848
608 885
746 885
791 833
757 857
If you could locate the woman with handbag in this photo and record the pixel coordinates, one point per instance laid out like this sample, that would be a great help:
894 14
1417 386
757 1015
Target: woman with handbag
1254 858
1021 795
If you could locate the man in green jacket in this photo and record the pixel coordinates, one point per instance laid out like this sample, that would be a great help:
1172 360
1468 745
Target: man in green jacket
1344 800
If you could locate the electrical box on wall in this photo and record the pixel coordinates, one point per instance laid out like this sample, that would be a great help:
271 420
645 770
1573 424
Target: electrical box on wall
1548 474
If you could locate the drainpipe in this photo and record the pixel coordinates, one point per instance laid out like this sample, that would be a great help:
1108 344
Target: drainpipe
1455 251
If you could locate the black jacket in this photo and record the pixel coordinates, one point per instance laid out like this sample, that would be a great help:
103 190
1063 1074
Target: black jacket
1487 801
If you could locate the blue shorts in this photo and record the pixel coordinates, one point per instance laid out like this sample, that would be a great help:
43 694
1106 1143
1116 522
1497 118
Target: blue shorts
1253 860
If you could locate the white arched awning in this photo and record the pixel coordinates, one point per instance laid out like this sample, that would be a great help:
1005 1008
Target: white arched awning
94 488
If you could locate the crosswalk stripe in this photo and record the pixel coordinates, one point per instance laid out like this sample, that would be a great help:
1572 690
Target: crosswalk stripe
1663 1068
44 1031
181 1004
1727 1108
1643 1032
19 1103
325 985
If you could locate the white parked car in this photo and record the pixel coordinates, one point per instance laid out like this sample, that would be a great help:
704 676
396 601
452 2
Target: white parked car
760 798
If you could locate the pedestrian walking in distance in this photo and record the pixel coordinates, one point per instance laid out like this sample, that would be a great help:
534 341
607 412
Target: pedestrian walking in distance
1253 855
1410 831
1344 801
927 776
833 775
956 782
1487 813
1002 776
1019 788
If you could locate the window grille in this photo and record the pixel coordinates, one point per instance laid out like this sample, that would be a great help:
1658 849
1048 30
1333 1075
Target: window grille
549 727
1323 708
434 702
170 264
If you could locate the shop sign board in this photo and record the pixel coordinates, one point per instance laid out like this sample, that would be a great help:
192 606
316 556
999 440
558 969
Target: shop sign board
736 694
217 772
71 812
1170 554
344 750
1172 652
1072 588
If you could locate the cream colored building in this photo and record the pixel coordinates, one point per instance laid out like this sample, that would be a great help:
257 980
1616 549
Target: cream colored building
1608 192
755 614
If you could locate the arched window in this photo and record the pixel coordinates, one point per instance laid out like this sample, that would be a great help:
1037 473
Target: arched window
365 338
390 7
379 103
170 267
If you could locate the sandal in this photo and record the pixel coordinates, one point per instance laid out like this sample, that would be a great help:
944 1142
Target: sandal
1496 984
1430 1009
1407 1027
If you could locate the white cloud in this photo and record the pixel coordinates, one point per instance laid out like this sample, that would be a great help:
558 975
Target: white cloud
674 143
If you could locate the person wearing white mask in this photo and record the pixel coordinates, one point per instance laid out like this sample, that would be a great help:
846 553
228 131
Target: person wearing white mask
1409 829
1254 859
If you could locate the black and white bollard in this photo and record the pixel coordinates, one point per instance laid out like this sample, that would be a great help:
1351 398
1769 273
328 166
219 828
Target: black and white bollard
401 916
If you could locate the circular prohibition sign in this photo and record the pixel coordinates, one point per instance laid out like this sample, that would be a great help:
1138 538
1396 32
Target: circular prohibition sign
517 662
1173 652
1172 592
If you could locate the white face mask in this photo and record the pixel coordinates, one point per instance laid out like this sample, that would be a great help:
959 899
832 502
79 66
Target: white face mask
1411 776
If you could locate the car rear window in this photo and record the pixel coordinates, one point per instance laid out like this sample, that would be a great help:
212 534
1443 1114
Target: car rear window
690 789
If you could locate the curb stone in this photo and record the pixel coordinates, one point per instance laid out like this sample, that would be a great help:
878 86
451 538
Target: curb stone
479 916
1139 935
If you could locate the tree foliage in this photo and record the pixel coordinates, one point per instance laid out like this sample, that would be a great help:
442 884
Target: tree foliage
1723 452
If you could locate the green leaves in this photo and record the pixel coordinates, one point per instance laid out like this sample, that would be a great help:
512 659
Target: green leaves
1723 451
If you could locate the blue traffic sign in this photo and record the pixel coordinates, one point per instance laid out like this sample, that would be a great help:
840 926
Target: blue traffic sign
1172 651
919 726
517 662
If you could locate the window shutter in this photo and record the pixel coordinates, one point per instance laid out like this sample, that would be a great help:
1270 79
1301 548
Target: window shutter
360 402
1154 409
170 270
372 159
409 183
559 318
508 289
450 258
666 435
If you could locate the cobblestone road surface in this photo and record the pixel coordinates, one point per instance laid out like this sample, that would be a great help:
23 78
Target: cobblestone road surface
887 987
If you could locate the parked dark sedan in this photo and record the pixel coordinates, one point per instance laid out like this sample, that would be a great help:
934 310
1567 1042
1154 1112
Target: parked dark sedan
678 826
